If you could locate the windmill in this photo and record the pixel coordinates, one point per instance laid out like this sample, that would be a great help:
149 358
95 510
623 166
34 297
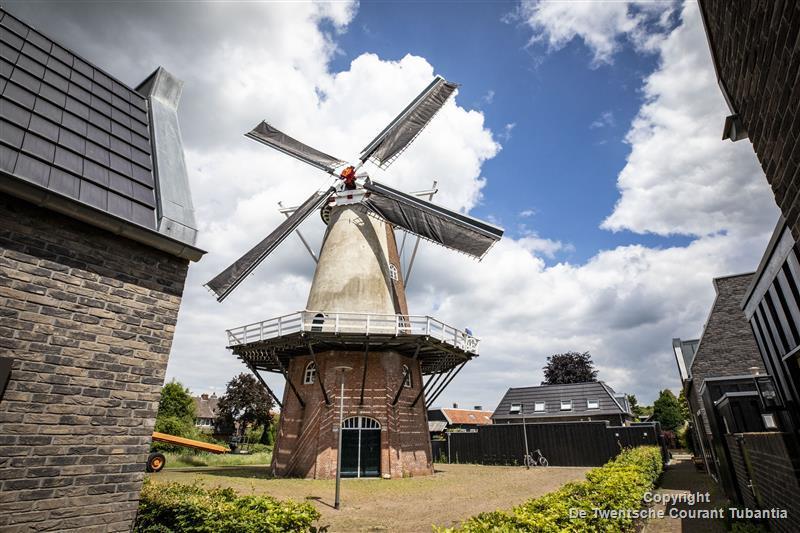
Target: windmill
356 316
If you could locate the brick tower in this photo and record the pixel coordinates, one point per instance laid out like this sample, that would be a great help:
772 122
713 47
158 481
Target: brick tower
356 330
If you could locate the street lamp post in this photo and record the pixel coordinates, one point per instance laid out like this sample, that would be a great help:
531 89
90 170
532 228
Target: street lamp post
525 434
342 370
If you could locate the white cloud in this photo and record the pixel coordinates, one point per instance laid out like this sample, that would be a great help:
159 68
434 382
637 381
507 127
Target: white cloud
623 304
602 26
527 213
680 177
605 119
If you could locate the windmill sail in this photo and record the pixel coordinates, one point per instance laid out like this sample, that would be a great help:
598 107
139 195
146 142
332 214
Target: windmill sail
407 125
229 279
430 221
265 133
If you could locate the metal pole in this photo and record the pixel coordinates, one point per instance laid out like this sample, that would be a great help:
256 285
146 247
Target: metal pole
524 431
339 450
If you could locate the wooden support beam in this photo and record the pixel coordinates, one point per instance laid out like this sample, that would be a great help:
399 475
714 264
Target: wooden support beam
433 399
402 385
319 374
258 376
286 377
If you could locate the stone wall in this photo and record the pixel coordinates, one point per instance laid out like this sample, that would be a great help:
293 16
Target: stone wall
306 444
758 56
727 347
88 319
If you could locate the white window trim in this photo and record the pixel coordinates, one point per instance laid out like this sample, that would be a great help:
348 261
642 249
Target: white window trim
516 411
393 273
566 402
589 405
536 407
310 373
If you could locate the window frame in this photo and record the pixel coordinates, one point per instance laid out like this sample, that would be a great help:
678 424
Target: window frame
394 273
516 411
536 407
569 402
310 373
589 404
407 381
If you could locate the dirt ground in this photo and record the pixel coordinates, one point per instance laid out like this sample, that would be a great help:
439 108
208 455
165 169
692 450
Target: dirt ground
452 494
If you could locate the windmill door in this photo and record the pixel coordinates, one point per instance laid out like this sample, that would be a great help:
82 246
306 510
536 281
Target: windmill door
361 447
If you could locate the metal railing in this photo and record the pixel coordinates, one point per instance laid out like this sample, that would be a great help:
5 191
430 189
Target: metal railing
352 323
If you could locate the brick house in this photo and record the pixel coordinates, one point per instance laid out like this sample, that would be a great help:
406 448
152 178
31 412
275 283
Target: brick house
459 419
205 411
97 231
723 361
574 402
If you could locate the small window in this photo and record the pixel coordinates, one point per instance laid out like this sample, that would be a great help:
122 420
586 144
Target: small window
566 405
516 408
406 377
593 404
310 374
393 272
539 407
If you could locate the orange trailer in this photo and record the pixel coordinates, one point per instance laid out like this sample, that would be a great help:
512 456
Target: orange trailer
156 460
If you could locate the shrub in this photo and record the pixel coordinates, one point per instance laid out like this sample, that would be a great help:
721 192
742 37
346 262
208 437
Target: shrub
175 507
620 484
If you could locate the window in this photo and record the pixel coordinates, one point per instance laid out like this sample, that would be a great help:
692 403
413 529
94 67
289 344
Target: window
310 373
593 404
393 272
566 405
539 407
516 408
406 377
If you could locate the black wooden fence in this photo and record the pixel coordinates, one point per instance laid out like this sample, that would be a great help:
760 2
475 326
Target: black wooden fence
563 444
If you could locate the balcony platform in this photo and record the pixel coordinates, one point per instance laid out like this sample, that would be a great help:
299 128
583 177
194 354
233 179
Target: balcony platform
271 344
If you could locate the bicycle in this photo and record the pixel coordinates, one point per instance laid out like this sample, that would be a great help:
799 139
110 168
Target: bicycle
539 460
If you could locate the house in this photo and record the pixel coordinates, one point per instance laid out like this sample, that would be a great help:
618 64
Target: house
455 419
564 403
205 407
98 230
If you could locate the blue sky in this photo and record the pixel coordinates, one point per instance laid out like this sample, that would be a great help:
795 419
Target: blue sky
634 201
569 118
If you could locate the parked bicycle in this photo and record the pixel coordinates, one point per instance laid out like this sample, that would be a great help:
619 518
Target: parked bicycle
535 459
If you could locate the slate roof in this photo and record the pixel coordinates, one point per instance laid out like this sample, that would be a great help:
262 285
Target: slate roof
73 131
70 127
611 402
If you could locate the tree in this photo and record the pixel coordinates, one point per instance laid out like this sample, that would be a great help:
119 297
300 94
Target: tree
685 413
570 367
636 409
245 403
667 410
176 414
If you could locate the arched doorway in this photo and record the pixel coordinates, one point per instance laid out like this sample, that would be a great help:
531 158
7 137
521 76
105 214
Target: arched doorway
361 447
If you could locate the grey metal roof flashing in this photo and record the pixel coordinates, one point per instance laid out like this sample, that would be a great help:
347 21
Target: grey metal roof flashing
78 141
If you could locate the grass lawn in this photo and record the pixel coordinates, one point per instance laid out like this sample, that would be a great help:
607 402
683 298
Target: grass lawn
452 494
184 460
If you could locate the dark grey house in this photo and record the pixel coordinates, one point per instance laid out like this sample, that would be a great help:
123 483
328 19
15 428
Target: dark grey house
97 231
564 403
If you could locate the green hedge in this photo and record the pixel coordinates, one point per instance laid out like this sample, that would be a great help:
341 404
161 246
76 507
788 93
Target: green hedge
174 507
619 484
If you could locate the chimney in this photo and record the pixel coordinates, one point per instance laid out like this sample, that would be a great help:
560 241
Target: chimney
455 405
479 408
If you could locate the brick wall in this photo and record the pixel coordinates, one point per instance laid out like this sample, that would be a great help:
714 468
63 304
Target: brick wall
757 48
306 443
727 347
88 319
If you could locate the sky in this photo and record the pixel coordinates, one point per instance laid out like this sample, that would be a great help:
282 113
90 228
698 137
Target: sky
591 131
